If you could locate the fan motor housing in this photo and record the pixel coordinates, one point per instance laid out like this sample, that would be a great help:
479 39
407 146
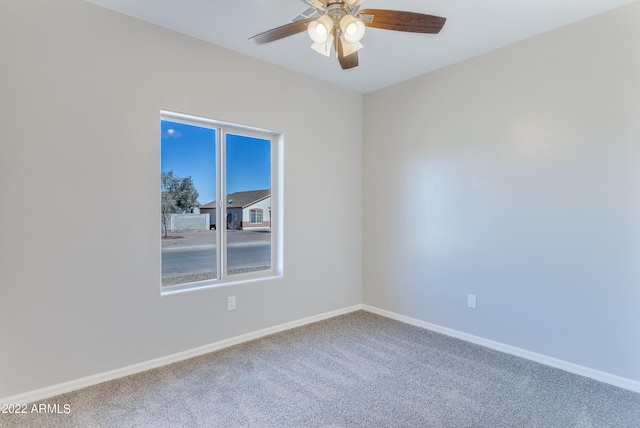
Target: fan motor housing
336 10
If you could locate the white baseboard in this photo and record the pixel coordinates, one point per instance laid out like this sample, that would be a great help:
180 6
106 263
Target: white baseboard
62 388
44 393
611 379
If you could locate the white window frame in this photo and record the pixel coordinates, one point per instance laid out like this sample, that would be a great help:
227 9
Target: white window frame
277 142
256 211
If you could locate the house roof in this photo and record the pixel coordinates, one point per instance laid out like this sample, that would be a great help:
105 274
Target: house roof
242 199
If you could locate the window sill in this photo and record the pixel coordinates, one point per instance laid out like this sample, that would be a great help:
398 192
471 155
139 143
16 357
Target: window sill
215 283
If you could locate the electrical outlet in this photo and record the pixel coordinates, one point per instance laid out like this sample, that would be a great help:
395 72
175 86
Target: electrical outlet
471 301
231 303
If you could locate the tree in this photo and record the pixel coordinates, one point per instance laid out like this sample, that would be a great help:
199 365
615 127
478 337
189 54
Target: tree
179 195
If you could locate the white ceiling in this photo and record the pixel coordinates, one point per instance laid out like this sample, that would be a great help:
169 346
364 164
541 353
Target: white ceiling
473 27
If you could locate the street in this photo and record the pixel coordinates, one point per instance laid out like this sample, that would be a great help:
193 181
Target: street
189 260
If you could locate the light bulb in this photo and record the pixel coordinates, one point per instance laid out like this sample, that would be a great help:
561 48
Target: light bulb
321 31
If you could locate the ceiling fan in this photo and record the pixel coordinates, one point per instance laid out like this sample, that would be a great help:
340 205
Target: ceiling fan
343 23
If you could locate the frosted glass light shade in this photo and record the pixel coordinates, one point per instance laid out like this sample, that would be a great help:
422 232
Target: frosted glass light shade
324 48
320 29
352 28
349 48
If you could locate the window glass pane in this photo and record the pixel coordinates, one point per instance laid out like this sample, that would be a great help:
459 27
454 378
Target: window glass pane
188 209
256 216
248 180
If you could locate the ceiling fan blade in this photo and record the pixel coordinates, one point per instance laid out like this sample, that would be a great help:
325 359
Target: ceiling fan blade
348 61
402 21
282 31
318 4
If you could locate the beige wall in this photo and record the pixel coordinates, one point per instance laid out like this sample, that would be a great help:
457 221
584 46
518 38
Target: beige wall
81 89
515 176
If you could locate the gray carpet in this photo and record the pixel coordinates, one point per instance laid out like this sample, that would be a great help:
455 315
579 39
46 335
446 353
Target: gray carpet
355 370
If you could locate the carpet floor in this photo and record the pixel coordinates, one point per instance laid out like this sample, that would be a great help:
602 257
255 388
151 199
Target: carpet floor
355 370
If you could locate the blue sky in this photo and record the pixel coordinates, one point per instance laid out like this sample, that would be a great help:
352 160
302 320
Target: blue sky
190 150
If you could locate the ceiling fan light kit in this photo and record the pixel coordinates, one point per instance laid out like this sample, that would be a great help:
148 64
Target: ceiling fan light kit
342 22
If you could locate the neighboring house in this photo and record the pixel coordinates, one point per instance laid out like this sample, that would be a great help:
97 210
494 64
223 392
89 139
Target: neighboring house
245 210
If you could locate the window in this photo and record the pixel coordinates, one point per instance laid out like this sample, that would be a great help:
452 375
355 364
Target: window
219 200
256 216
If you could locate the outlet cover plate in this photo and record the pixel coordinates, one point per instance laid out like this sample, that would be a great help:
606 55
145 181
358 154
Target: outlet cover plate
471 301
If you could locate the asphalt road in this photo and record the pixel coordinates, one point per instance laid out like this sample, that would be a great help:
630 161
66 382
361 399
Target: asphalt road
185 261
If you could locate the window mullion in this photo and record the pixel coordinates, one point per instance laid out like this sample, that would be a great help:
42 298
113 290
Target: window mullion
222 202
